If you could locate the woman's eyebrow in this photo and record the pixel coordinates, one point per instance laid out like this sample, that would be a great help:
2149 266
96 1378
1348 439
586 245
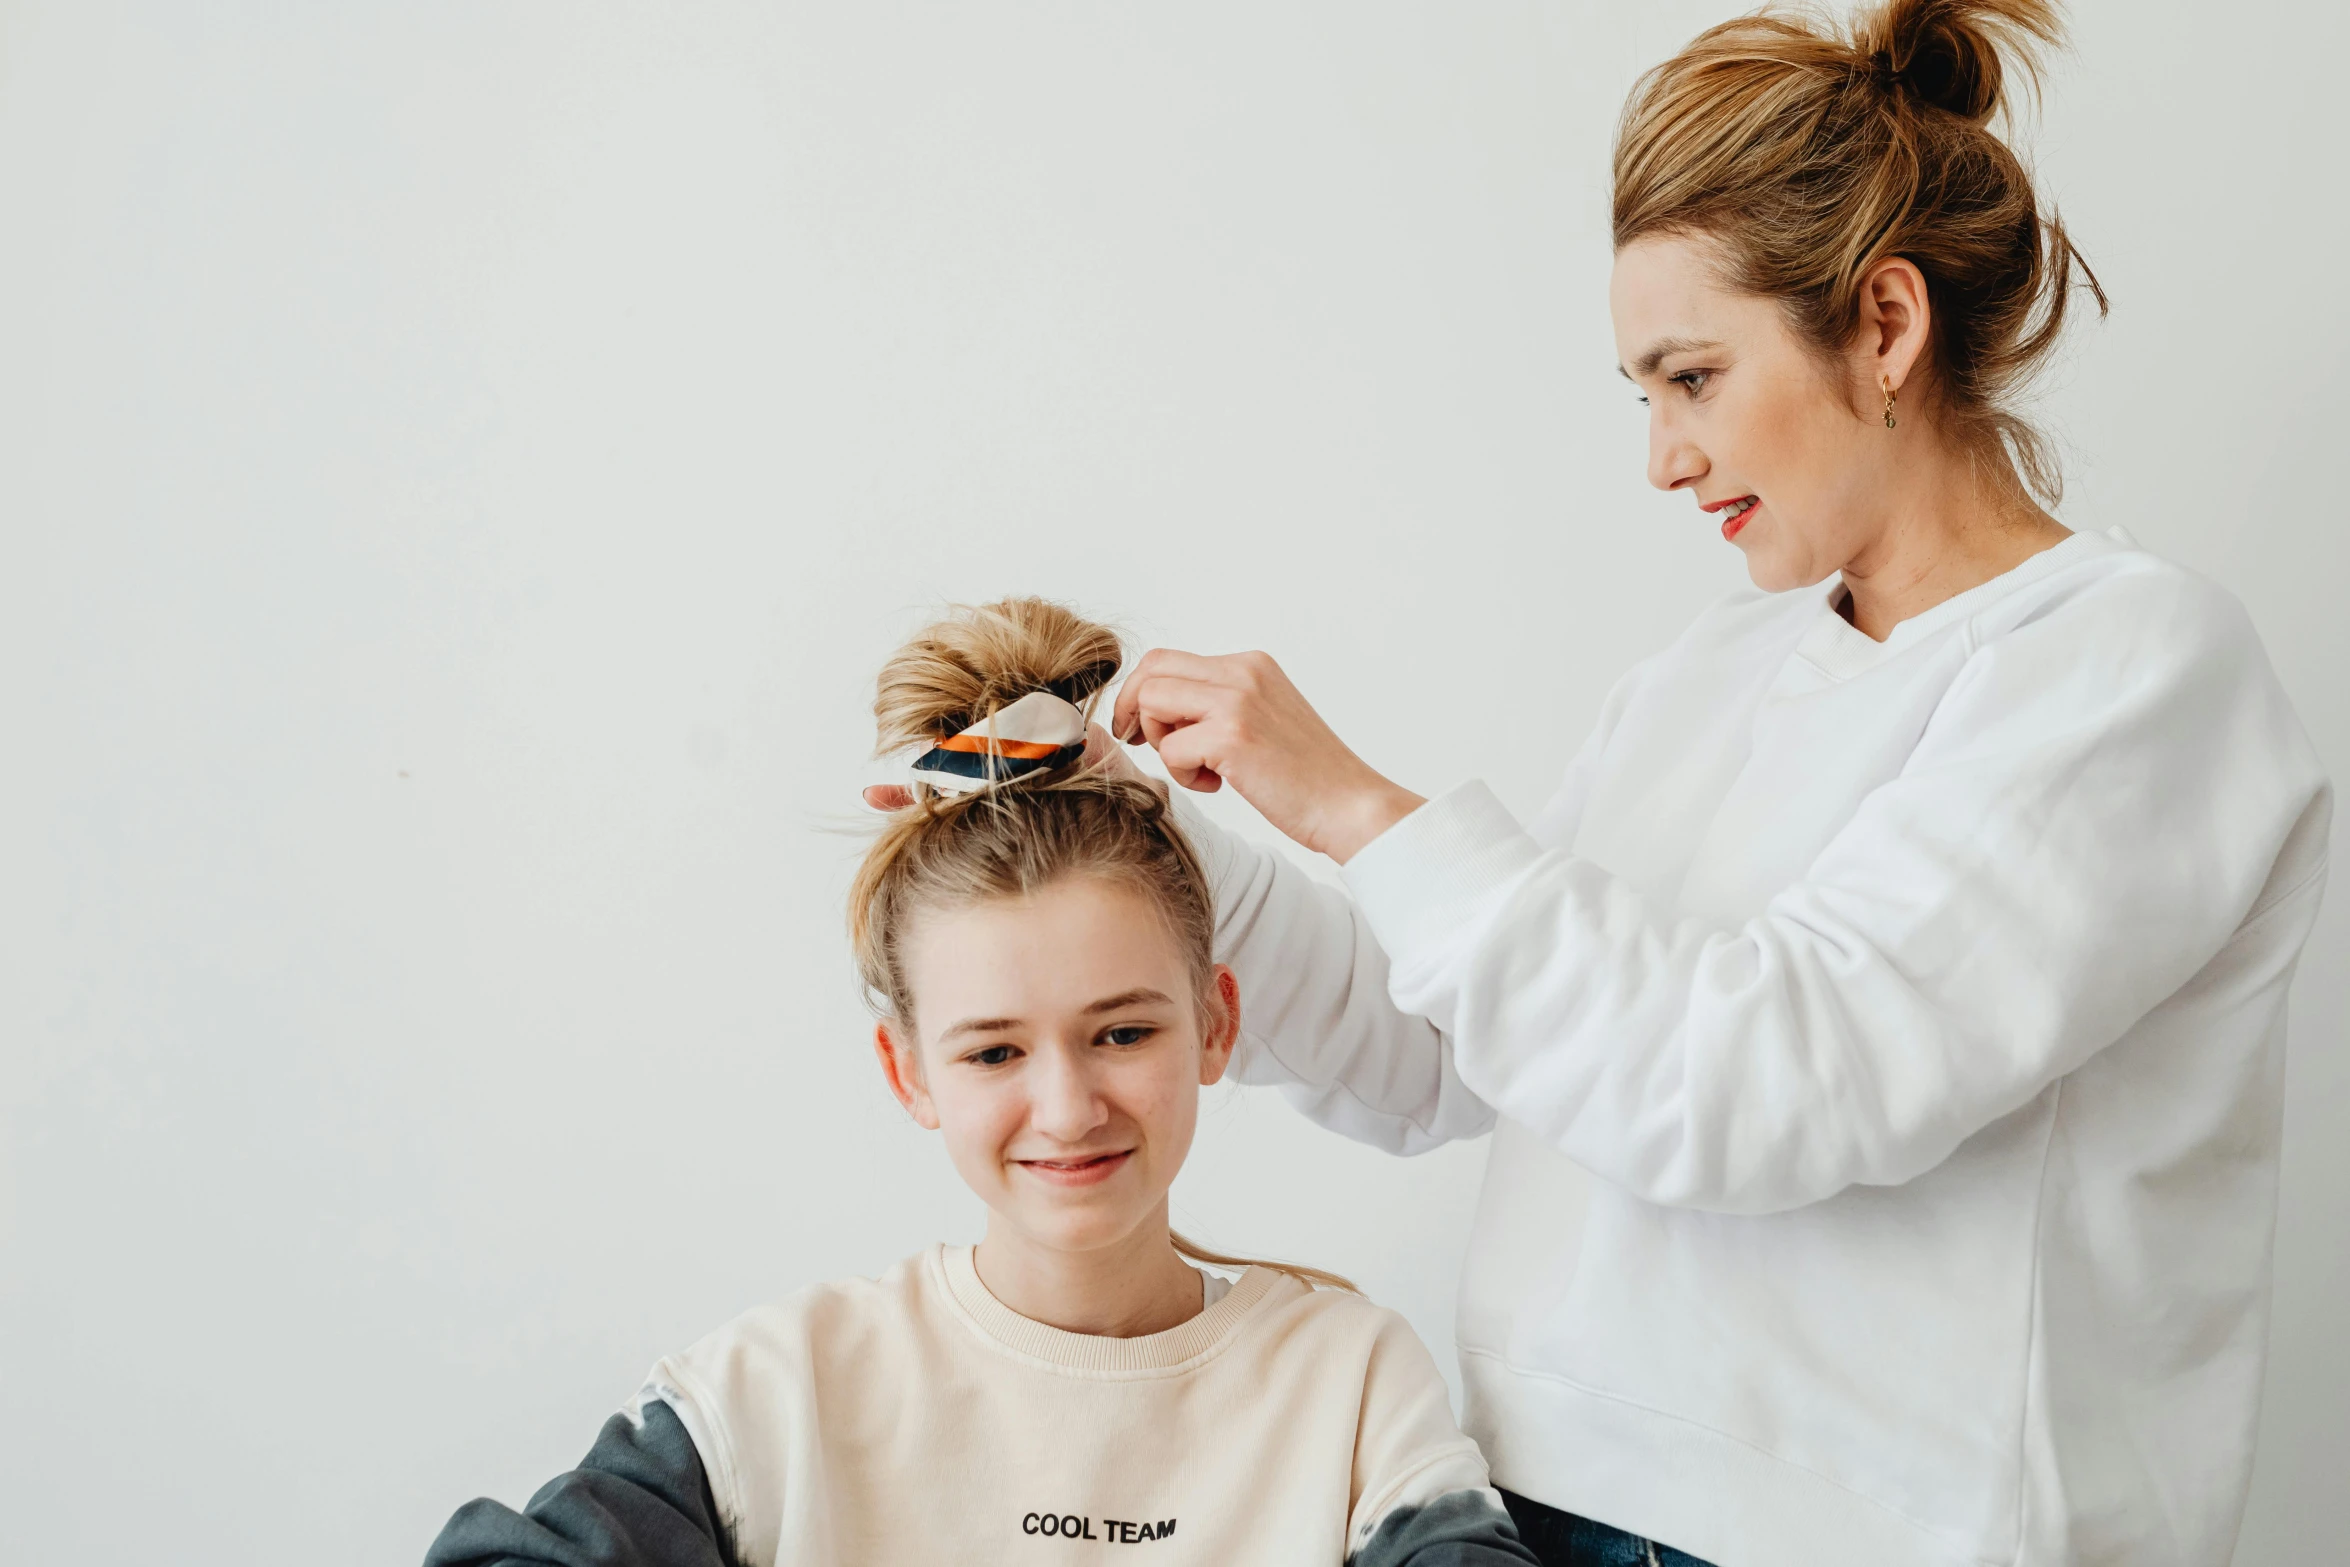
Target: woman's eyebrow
1662 349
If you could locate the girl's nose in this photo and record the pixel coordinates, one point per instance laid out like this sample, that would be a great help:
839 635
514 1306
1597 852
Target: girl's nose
1065 1103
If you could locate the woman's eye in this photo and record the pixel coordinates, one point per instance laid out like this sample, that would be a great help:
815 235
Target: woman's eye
993 1055
1692 381
1128 1034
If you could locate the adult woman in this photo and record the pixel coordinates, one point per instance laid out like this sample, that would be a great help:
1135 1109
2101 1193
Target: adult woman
1906 955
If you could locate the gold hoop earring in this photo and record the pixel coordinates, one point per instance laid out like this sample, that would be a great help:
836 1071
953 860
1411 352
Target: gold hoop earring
1888 402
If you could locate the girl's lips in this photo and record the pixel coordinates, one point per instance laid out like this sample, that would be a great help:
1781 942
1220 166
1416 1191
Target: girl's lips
1077 1172
1733 526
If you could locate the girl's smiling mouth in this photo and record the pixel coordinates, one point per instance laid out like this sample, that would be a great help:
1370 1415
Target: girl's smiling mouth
1086 1171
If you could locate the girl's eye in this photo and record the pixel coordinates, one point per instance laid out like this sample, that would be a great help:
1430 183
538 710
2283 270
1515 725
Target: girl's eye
1128 1034
993 1055
1692 381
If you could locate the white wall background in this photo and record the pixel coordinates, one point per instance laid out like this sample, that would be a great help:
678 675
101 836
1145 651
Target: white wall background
460 465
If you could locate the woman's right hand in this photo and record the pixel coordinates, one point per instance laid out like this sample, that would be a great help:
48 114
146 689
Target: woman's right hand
1238 719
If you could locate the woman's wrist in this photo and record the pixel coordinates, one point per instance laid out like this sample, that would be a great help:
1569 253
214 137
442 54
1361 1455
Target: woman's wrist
1362 815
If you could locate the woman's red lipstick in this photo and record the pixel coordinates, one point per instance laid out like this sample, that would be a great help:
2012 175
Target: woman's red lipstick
1735 523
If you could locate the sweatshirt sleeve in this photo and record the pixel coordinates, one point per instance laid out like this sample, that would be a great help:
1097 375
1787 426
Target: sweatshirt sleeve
1422 1497
638 1499
1317 1017
2095 808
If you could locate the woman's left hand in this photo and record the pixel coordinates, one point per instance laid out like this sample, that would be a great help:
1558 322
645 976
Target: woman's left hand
1237 719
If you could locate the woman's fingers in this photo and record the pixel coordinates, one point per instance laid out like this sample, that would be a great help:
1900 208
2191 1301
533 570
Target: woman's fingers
1190 756
1172 701
1158 663
888 797
1239 719
1190 723
1106 755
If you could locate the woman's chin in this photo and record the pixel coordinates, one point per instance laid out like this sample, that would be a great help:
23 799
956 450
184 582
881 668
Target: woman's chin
1771 570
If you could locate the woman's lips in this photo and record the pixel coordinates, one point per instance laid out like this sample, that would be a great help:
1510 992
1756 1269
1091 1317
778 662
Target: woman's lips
1088 1171
1736 523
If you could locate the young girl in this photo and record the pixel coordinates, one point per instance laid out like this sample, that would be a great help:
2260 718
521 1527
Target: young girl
1035 936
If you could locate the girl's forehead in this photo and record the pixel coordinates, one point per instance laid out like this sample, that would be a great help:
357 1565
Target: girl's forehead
1055 952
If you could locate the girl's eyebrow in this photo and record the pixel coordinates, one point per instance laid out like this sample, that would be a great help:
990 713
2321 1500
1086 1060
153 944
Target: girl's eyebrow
1141 995
978 1025
1130 998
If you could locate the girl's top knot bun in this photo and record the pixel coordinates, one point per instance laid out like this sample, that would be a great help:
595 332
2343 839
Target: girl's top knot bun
984 657
1947 53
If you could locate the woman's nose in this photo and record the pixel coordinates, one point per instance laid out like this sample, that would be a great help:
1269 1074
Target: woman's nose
1673 459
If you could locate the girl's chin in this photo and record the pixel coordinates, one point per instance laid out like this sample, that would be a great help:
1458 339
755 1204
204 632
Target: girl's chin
1096 1231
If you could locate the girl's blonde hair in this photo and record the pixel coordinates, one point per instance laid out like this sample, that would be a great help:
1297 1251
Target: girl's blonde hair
1805 153
1015 838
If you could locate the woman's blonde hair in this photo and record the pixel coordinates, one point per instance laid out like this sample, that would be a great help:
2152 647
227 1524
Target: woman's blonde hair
1805 153
1015 838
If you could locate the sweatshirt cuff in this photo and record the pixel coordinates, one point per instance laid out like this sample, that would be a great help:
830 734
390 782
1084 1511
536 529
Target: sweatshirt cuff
1418 881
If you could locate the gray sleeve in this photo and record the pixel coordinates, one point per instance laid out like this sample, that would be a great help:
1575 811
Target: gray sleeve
639 1499
1456 1529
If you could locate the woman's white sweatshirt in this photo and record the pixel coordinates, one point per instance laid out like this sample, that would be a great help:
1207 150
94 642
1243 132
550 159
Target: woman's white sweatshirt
1919 1007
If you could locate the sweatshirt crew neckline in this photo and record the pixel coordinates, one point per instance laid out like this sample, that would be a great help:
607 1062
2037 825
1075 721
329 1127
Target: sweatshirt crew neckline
1176 1349
1841 650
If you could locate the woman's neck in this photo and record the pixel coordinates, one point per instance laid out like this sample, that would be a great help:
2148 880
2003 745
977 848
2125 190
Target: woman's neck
1134 1286
1951 527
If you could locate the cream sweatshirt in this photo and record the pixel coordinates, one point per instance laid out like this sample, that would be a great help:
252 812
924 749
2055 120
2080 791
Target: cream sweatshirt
914 1419
1919 1009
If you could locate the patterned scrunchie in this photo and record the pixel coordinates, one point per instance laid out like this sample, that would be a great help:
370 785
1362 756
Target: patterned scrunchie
1033 735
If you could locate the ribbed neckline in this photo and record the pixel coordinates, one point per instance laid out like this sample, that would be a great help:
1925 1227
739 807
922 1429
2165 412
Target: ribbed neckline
1175 1349
1844 650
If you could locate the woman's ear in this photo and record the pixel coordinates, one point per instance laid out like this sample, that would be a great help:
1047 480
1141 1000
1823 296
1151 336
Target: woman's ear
1222 1029
1896 316
904 1074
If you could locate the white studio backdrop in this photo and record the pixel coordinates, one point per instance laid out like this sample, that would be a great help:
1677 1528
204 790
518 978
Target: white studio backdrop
461 465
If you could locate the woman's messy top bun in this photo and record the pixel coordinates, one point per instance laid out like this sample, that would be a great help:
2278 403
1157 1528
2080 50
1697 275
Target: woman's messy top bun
1805 154
1948 52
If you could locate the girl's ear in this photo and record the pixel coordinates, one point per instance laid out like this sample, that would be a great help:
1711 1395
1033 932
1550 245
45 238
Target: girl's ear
903 1073
1222 1028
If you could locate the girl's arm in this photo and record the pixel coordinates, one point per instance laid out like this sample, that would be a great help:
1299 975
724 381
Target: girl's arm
639 1499
1422 1497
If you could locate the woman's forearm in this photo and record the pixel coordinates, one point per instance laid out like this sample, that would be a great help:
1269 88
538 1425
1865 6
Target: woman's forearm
1317 1020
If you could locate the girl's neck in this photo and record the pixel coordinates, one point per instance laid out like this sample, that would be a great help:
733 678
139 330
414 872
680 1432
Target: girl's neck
1955 526
1134 1286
